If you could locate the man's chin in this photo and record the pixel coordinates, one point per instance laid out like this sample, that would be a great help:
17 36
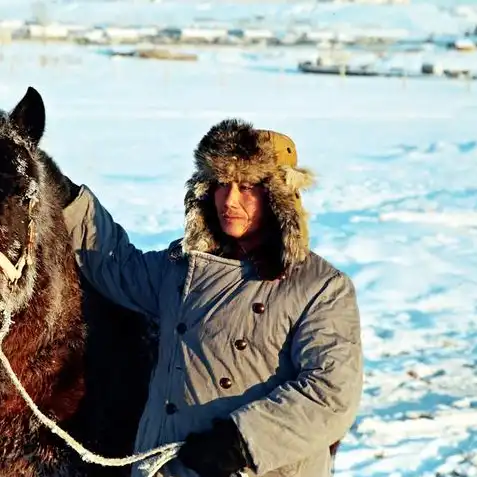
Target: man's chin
233 232
233 228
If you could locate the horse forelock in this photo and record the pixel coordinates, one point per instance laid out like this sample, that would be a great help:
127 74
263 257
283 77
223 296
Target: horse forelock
19 158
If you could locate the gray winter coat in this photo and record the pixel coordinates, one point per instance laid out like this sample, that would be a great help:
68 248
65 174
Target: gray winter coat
283 358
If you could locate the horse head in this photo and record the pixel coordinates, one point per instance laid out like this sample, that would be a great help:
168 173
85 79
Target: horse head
21 199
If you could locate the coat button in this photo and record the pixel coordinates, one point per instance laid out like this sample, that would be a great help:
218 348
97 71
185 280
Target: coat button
258 308
240 344
171 408
180 289
225 383
181 328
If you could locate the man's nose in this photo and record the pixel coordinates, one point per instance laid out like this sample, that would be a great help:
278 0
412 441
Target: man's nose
232 199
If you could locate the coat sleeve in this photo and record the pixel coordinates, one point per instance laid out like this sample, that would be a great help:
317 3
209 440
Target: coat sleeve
317 408
108 260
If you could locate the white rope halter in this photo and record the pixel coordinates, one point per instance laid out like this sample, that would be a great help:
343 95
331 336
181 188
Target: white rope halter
14 272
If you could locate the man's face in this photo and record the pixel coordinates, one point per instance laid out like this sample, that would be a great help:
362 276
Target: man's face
240 208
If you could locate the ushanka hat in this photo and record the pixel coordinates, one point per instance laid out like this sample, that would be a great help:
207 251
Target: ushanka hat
233 150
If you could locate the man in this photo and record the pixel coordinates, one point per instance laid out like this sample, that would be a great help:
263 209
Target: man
259 364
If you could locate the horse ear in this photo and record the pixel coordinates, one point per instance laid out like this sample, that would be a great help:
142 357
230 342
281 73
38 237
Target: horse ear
28 116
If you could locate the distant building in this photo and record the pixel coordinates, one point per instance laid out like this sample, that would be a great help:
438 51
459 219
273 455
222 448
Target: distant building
52 31
203 35
12 30
128 35
172 34
258 35
95 36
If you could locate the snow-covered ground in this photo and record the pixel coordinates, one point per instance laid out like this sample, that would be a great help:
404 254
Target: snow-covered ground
396 208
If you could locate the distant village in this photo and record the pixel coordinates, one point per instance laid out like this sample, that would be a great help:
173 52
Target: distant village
215 35
335 45
252 31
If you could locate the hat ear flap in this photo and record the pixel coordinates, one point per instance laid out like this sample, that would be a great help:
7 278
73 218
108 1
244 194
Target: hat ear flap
200 217
297 178
286 206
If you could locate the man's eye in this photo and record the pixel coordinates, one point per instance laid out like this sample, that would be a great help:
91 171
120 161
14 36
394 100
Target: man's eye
246 187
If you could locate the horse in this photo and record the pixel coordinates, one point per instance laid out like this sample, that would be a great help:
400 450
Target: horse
84 360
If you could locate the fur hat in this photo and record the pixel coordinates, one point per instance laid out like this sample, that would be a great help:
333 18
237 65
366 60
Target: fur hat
234 151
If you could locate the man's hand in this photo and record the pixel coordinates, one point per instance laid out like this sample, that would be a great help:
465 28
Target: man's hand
218 452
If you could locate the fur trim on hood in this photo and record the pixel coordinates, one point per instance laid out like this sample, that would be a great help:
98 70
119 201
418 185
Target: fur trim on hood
234 151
